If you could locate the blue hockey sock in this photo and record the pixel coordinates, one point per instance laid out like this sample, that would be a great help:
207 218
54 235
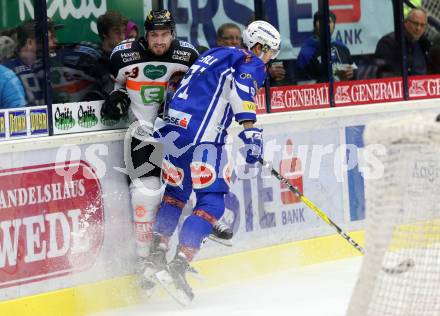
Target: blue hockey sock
168 216
193 231
209 208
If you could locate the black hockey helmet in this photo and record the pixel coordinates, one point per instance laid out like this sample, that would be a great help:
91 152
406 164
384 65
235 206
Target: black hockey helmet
159 20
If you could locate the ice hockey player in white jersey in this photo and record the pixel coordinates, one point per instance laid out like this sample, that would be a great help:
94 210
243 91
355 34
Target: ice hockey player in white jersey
219 87
143 69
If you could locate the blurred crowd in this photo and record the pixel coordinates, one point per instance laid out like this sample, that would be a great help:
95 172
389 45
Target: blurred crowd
81 71
78 71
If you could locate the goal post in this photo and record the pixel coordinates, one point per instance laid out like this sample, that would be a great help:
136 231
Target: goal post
402 221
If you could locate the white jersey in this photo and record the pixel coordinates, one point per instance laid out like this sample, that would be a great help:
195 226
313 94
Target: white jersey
145 76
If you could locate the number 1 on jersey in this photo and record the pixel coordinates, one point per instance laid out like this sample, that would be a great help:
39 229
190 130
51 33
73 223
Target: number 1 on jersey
182 91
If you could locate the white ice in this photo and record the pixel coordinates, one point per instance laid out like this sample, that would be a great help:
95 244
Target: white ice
317 290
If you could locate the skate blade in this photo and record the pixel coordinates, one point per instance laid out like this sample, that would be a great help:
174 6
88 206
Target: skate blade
167 282
221 241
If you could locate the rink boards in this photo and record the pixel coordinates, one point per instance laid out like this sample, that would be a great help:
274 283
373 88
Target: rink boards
67 242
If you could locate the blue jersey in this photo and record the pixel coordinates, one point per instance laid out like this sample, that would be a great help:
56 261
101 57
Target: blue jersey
29 80
220 86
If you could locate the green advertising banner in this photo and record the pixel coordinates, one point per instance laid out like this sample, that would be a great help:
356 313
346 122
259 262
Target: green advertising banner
78 16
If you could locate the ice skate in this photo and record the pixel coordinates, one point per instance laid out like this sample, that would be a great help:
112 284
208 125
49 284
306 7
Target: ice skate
156 261
147 286
221 234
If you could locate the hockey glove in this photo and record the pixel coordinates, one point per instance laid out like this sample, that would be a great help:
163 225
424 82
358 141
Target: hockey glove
115 105
253 140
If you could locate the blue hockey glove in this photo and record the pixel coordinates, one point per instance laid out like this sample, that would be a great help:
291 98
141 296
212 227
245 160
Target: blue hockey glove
253 140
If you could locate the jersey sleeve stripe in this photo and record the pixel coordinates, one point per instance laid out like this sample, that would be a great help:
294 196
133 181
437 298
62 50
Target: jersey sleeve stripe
242 87
212 104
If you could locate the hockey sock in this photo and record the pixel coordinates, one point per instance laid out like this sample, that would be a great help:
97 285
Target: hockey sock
209 208
168 215
188 252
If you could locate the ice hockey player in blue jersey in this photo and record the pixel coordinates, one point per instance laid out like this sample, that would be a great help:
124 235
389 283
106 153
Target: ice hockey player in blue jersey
219 87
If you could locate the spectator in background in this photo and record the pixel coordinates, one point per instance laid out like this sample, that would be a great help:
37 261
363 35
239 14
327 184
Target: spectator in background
7 48
80 71
11 89
111 29
22 64
132 30
229 34
27 64
52 35
417 45
277 72
309 65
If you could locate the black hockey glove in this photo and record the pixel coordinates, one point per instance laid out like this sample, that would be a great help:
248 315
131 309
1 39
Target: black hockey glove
115 105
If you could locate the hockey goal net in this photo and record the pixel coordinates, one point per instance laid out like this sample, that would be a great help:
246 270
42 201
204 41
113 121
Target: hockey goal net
402 222
433 9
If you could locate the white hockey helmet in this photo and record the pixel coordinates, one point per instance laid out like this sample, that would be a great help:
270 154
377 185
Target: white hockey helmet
264 33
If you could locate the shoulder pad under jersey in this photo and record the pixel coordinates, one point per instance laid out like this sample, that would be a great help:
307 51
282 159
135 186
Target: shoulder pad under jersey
127 52
124 45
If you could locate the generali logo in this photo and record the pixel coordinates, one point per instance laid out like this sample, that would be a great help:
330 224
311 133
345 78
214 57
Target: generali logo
366 91
49 226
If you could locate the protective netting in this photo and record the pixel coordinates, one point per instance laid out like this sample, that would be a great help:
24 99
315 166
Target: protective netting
402 221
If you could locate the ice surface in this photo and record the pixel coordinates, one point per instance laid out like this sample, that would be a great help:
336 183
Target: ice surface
318 290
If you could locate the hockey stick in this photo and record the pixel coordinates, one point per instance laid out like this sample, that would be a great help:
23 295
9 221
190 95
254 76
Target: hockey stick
400 268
